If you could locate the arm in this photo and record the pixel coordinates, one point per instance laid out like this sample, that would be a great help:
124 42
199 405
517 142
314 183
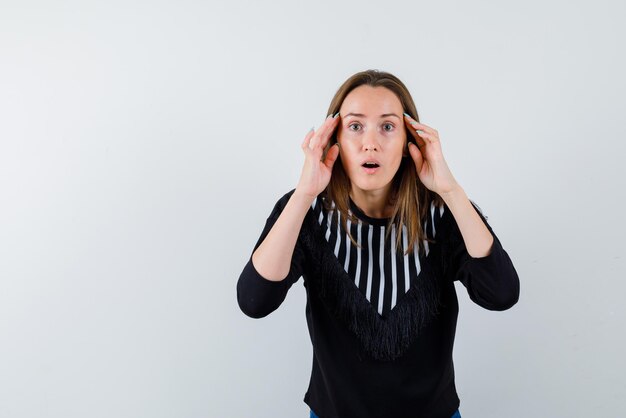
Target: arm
477 237
474 255
280 255
471 251
278 259
272 259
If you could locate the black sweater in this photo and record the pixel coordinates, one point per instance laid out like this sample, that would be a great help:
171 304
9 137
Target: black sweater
397 364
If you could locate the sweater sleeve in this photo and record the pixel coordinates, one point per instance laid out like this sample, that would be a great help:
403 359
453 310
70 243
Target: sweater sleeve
491 281
257 296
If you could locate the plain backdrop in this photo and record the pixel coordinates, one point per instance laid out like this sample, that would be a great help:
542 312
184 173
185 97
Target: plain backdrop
144 143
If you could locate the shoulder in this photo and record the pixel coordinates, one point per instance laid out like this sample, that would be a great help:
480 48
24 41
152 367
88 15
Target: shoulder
280 204
478 209
320 200
449 224
446 210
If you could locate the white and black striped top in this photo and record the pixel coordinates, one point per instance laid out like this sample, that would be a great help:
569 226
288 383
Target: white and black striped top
381 271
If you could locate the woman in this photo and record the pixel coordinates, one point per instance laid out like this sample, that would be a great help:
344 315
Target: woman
379 229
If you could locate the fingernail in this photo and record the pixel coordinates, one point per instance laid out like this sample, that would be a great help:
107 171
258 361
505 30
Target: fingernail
336 114
407 115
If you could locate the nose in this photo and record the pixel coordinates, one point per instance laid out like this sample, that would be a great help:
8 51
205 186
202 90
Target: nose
370 143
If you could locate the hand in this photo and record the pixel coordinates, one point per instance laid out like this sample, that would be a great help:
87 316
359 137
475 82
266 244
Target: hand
316 172
431 167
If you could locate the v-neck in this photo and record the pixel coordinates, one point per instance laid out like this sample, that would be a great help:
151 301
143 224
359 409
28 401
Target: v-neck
384 338
345 276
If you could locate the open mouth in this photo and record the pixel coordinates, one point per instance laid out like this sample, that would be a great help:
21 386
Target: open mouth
370 165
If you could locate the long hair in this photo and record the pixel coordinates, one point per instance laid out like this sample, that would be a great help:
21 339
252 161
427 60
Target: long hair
409 198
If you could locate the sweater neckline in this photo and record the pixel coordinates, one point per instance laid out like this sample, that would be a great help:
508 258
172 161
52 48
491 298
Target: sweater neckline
362 216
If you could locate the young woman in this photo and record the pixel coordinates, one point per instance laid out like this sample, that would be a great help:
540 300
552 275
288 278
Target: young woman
379 229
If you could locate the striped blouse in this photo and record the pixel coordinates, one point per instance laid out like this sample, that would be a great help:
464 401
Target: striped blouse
381 271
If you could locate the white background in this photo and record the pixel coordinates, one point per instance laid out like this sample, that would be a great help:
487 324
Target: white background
143 144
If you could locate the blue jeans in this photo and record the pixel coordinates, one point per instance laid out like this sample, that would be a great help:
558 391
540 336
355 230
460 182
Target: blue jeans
457 414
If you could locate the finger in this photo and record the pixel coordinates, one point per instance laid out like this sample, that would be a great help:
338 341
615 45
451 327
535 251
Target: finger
416 155
324 132
424 128
331 156
430 138
315 141
307 138
420 126
419 140
425 133
327 129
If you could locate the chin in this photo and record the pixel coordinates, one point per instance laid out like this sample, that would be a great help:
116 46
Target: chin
371 185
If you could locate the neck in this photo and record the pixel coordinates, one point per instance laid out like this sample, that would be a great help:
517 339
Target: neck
374 203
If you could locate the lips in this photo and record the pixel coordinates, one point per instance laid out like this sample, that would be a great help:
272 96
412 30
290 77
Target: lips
370 166
370 163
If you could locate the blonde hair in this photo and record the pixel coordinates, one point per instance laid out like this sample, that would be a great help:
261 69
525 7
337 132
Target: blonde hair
409 198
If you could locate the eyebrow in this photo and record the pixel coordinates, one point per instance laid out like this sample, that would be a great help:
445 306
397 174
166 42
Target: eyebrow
384 115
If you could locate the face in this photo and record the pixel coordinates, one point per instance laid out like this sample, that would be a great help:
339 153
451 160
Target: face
372 138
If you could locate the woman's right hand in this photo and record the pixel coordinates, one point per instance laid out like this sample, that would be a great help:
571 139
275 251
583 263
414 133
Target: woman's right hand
316 173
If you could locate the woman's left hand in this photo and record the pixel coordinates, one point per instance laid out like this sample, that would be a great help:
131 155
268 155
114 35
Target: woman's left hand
431 167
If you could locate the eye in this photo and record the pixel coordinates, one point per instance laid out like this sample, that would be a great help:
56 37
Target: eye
390 126
353 124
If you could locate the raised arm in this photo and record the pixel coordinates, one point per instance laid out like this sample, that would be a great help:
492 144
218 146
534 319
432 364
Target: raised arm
274 265
273 256
472 252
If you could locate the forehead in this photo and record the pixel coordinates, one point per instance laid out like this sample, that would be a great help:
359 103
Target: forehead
371 101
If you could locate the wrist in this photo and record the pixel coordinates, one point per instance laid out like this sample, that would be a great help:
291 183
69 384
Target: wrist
453 195
302 197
